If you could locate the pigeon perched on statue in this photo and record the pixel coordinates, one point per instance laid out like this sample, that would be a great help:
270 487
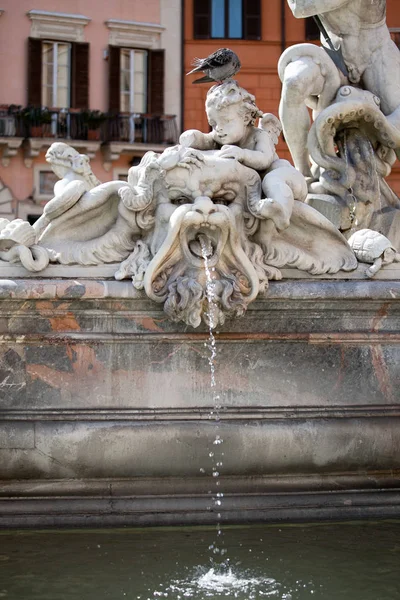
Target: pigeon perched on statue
220 65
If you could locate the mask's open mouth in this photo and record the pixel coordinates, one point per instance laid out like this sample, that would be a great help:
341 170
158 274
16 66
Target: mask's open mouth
202 246
202 242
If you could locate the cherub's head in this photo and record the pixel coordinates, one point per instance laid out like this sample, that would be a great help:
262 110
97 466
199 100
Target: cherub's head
231 110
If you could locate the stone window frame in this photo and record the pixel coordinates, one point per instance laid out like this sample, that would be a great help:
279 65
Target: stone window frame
134 34
68 27
117 171
37 195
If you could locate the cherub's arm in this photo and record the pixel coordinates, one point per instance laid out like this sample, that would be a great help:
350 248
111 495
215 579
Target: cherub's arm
197 140
260 157
263 154
308 8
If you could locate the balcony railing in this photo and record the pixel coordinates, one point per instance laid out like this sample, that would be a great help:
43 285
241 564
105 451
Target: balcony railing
85 125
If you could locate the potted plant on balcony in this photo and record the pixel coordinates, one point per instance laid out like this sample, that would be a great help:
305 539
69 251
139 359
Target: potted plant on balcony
92 120
37 121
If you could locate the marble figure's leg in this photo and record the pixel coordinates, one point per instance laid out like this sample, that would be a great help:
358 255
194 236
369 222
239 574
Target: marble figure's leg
382 77
302 79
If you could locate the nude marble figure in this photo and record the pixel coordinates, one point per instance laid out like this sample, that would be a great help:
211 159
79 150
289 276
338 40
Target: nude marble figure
372 59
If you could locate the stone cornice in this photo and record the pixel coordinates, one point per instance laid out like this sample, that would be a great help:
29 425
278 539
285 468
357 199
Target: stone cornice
134 33
113 150
9 147
65 26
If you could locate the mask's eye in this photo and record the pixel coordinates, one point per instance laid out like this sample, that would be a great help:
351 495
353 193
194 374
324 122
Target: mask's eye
225 201
180 200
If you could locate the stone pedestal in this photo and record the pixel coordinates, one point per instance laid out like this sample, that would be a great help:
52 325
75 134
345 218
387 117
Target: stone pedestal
105 406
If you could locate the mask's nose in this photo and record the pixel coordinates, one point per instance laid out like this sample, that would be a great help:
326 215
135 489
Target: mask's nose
204 205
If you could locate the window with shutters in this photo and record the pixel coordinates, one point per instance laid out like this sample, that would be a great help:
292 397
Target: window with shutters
56 74
227 19
133 80
43 182
136 80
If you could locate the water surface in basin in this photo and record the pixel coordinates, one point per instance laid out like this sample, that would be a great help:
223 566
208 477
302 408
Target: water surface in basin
348 561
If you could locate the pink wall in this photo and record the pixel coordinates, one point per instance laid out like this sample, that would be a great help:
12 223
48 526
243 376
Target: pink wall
15 27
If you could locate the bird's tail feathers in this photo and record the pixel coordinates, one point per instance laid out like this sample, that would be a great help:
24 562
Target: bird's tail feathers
198 66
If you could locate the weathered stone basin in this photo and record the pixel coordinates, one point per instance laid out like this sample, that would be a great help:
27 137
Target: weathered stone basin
105 405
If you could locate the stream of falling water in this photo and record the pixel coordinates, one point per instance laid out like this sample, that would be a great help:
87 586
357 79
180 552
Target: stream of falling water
353 205
216 453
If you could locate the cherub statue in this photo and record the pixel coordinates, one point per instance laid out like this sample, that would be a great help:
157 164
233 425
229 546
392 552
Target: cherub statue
232 114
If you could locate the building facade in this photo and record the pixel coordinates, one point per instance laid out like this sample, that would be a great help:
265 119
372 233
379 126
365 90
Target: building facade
258 31
104 77
109 79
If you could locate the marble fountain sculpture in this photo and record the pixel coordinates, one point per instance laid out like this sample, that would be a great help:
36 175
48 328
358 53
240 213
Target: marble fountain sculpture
106 397
206 189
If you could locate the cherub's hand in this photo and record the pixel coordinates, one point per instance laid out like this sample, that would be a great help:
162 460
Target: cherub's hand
232 152
187 139
192 158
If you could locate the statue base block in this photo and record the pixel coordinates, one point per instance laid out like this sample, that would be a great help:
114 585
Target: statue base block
333 208
106 406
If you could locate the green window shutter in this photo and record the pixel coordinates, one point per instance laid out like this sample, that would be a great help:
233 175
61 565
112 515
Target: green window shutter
252 19
114 61
34 72
80 75
155 82
201 19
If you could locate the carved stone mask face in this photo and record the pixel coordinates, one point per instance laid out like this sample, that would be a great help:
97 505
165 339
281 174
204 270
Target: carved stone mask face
176 275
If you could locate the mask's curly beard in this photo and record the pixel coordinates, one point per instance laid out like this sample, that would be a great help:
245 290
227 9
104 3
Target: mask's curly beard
187 301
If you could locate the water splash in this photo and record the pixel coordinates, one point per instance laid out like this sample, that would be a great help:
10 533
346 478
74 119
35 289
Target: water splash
243 584
222 584
229 581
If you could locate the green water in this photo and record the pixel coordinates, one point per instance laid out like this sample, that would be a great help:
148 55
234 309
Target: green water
348 561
